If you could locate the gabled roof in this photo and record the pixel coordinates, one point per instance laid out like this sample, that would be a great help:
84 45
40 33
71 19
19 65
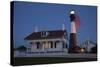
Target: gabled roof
45 35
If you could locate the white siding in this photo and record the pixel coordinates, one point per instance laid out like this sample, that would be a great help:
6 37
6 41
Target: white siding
59 45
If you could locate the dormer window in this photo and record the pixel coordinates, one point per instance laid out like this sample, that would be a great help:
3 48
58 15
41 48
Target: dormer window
44 34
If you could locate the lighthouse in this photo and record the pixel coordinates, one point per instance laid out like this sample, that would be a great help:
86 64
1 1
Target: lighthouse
73 38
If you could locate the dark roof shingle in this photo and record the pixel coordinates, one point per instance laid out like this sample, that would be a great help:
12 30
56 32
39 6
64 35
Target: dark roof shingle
50 35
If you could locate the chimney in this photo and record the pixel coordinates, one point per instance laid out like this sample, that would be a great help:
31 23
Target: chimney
63 27
36 29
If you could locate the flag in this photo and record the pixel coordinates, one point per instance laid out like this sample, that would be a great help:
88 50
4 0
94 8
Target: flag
77 21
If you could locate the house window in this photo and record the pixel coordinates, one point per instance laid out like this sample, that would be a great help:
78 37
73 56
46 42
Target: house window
51 44
55 45
38 45
31 42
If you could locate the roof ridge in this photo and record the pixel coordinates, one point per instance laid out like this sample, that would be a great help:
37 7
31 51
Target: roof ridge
52 34
48 31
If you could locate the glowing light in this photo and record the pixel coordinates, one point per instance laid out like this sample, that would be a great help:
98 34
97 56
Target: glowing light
82 50
72 12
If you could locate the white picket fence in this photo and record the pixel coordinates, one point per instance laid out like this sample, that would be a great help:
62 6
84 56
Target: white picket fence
55 54
37 54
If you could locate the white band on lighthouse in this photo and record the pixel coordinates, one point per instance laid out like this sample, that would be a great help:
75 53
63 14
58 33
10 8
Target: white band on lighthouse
73 27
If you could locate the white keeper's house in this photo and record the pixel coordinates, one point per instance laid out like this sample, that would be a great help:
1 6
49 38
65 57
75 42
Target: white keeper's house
54 41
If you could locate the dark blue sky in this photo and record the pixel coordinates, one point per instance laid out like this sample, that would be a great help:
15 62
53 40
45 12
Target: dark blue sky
27 15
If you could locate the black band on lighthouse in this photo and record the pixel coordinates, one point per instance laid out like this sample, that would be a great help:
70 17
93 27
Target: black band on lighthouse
72 17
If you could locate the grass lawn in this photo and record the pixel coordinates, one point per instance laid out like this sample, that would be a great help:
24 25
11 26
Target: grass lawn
47 60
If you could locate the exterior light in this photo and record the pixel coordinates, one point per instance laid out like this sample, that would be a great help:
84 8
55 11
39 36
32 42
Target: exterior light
72 12
82 50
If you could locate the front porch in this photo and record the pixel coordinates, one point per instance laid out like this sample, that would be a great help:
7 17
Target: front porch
47 46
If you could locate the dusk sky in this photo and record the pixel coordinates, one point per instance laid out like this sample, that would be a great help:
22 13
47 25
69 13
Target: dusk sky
27 15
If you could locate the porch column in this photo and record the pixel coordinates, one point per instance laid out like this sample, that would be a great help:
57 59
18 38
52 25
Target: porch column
32 46
42 46
53 44
49 44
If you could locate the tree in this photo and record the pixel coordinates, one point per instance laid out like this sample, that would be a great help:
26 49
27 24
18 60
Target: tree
22 48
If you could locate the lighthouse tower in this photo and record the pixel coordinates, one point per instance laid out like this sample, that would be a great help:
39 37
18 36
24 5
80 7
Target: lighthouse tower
73 39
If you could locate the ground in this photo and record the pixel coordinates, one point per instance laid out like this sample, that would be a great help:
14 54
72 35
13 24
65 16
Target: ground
47 60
